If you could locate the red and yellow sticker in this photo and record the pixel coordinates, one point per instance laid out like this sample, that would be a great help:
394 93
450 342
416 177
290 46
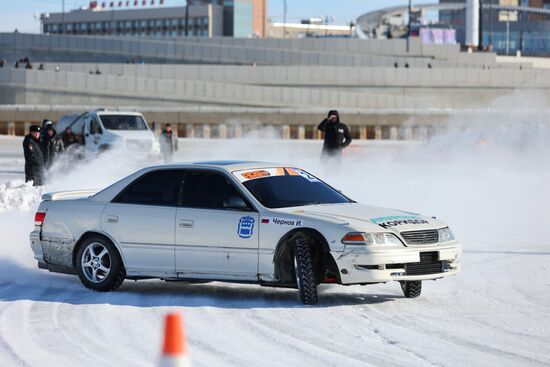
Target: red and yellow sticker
251 175
255 174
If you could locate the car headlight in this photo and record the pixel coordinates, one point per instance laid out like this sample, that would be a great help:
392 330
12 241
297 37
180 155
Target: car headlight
362 239
445 235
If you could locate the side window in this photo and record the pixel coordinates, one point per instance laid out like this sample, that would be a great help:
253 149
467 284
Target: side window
94 126
209 191
78 126
160 188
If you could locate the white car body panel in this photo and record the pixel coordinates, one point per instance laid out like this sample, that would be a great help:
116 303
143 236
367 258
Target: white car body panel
208 245
191 243
145 235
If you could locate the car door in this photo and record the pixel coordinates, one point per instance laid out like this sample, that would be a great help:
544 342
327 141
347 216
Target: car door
92 136
142 221
216 230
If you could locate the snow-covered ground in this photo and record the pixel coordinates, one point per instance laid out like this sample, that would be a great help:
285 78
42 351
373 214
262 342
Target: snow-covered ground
491 184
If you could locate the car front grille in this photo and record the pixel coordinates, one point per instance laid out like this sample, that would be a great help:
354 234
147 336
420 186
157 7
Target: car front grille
137 145
425 237
429 264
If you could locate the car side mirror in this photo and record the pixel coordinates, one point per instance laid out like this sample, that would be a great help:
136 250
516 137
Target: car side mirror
235 203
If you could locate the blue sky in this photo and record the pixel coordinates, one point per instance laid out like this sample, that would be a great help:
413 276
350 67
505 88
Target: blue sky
21 14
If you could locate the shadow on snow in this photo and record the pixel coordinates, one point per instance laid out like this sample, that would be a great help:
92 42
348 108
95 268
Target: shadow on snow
18 283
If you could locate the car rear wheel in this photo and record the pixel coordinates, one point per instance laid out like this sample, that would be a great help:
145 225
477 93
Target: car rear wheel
99 265
305 273
411 289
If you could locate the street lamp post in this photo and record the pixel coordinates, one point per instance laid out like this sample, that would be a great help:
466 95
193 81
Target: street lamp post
187 19
63 17
480 35
409 28
284 18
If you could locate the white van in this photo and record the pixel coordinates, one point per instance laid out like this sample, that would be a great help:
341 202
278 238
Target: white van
102 130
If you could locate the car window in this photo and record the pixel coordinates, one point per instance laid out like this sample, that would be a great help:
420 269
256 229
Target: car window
94 126
65 122
208 190
287 187
159 188
78 126
123 122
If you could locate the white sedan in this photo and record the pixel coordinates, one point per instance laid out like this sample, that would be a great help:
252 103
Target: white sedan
262 223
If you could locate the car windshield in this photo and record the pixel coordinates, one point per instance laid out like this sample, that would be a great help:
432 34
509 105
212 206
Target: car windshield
123 122
288 187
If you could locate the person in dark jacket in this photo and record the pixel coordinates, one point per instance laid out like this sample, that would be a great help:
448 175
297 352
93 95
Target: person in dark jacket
44 129
34 158
167 143
68 138
337 135
49 146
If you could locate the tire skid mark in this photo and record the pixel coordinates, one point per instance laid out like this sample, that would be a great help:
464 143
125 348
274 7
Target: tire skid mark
435 331
386 340
5 346
327 347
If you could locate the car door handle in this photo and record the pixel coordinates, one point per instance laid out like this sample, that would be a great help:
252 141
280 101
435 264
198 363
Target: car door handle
112 219
187 223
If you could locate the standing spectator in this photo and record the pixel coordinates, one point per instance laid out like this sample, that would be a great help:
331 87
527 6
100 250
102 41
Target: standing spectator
68 138
49 146
34 158
168 143
337 135
44 129
2 62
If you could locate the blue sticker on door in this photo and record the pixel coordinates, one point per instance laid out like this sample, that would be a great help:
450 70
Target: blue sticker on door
246 227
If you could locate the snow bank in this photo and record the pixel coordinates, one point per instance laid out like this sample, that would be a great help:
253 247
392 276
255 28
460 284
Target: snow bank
18 195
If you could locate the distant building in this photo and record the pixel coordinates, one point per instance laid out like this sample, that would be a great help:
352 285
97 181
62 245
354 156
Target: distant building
506 31
206 18
308 28
241 18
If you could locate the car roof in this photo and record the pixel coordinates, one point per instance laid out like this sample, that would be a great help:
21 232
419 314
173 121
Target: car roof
122 113
226 165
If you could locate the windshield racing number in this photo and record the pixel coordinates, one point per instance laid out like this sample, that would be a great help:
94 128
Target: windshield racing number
245 228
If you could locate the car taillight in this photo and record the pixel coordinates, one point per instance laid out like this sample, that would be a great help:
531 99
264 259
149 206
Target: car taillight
39 218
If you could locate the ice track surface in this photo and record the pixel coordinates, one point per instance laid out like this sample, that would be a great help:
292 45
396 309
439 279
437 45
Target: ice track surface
494 193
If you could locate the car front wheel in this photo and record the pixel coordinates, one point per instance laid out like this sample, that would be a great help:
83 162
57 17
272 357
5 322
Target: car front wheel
411 289
305 273
99 265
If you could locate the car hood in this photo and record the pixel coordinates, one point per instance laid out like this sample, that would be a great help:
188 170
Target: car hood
367 217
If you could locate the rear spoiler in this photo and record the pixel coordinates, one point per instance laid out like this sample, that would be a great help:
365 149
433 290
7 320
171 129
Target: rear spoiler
64 195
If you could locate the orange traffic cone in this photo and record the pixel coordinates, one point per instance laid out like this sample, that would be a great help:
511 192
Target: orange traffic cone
174 349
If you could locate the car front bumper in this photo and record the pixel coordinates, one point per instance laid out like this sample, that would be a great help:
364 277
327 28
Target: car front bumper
361 266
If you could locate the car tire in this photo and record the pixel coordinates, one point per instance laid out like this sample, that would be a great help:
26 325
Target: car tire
412 288
99 265
305 273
